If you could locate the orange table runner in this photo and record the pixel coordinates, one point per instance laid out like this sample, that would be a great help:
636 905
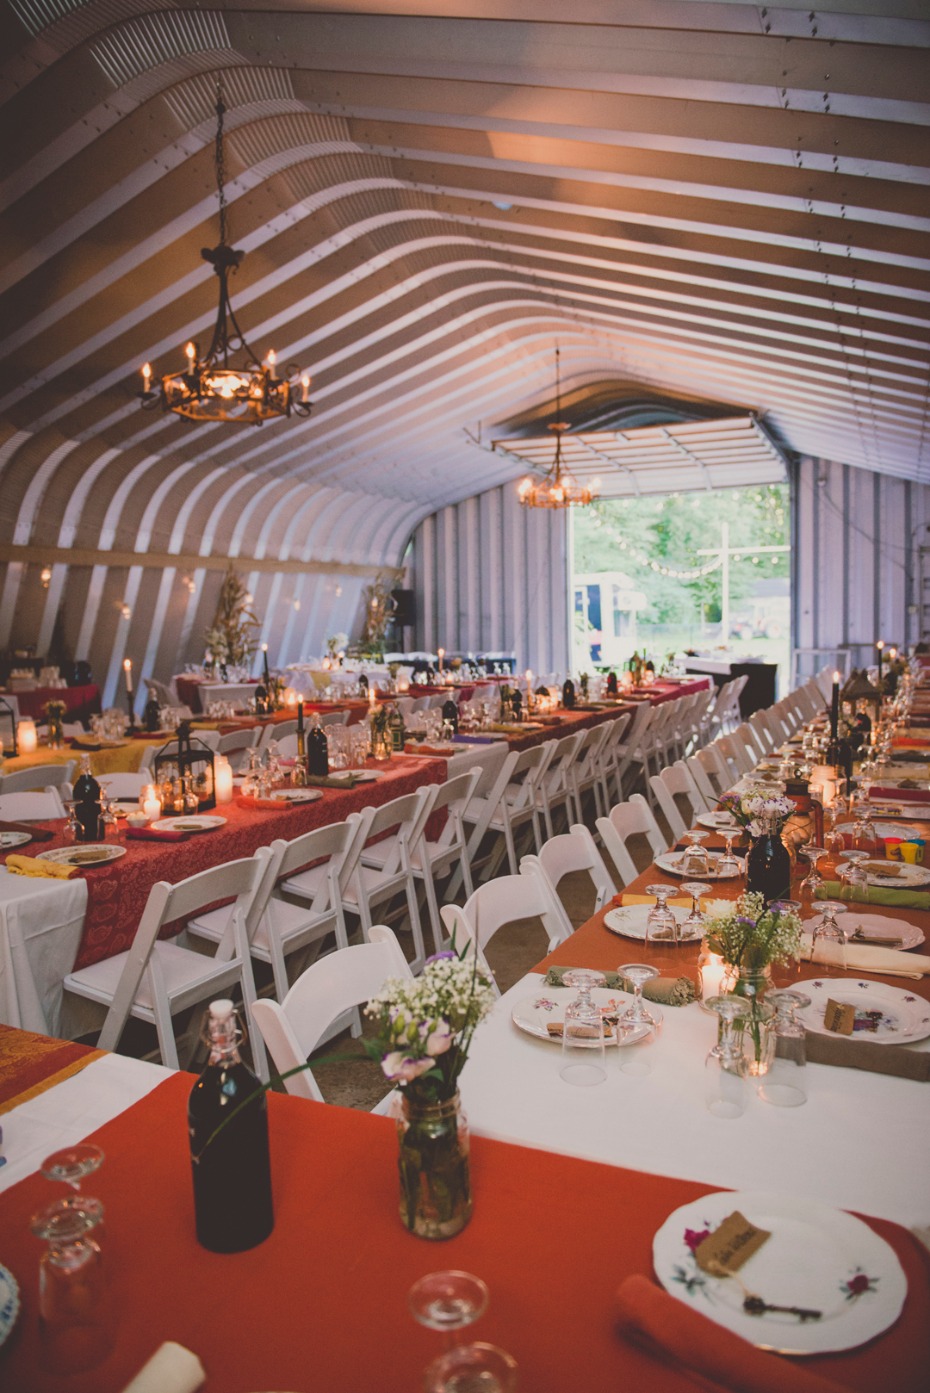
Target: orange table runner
321 1305
30 1064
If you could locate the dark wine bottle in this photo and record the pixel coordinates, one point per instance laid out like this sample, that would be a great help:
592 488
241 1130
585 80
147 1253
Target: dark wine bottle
516 704
231 1164
396 730
87 804
317 751
450 713
612 683
261 699
568 694
768 868
362 684
151 716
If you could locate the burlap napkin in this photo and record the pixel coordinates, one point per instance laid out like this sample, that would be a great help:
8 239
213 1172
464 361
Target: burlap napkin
877 894
845 1053
865 957
665 991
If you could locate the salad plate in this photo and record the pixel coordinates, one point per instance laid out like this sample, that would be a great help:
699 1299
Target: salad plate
10 839
630 922
890 873
815 1258
88 855
192 822
885 1015
534 1014
673 862
295 795
719 821
881 927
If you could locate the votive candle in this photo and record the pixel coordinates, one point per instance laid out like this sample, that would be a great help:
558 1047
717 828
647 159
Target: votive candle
222 780
151 803
27 736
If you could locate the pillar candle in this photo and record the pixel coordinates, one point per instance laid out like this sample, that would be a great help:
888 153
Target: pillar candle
265 671
26 736
880 646
835 706
442 653
151 803
222 780
712 975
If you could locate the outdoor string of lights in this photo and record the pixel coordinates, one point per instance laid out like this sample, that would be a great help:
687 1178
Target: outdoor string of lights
694 573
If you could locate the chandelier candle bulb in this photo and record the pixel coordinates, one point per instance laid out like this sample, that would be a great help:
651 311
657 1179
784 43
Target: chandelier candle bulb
127 669
27 737
271 361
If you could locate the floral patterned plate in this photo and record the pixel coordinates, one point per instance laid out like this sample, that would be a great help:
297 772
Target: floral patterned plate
885 1015
536 1013
630 922
719 822
816 1257
9 1302
890 873
672 861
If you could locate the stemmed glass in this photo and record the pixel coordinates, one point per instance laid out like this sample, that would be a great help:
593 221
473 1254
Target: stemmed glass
70 1165
784 1083
660 921
864 836
854 880
74 1315
449 1301
638 974
827 927
694 860
728 865
583 1032
725 1068
813 880
693 927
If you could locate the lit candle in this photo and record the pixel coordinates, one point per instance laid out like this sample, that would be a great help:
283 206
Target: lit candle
835 706
151 803
305 387
892 654
127 669
880 646
26 736
146 377
271 361
265 671
290 697
372 698
222 779
442 654
191 353
712 975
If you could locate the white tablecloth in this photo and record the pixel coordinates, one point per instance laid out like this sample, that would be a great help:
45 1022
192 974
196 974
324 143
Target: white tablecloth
859 1142
40 933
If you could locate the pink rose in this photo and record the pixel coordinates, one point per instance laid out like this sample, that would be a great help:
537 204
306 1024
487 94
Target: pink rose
402 1068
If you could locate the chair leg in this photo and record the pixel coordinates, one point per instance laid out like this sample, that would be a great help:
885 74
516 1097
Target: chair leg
432 905
419 948
508 839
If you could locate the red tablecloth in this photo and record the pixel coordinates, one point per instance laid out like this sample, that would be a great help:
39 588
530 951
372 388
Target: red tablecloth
81 702
321 1304
117 892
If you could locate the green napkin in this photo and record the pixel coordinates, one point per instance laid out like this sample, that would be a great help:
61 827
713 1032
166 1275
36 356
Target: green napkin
319 781
665 991
876 894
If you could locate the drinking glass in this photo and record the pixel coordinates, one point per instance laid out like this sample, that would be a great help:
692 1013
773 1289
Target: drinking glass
725 1085
638 974
828 927
728 864
864 836
661 922
448 1301
75 1316
785 1084
813 880
475 1368
693 927
854 880
695 860
583 1032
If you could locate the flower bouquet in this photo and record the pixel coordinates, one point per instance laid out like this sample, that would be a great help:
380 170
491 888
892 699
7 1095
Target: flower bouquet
759 810
425 1027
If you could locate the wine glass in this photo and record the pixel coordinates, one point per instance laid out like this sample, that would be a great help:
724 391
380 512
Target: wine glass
75 1318
638 974
448 1301
694 860
70 1165
728 865
475 1368
828 926
864 835
784 1085
660 921
854 880
725 1070
583 1032
693 927
813 880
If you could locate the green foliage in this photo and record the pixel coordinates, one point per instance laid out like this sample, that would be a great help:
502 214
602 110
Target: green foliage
233 635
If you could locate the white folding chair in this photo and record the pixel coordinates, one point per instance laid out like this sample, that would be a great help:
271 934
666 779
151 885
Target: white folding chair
274 730
317 1004
40 776
123 787
433 858
334 718
573 851
554 788
763 732
155 979
384 870
31 807
711 774
283 928
510 804
626 820
236 745
587 774
504 901
678 797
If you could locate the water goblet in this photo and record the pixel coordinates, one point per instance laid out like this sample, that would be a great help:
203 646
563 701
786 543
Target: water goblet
728 865
474 1368
583 1032
694 859
828 927
784 1084
854 880
75 1317
638 974
813 880
693 927
725 1069
661 923
864 835
448 1301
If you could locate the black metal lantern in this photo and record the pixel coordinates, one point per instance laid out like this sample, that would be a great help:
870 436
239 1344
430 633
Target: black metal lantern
188 756
8 714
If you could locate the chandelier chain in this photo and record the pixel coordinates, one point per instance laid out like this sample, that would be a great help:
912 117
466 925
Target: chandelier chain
219 159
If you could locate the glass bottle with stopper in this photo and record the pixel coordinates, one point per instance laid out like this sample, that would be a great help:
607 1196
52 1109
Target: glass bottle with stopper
317 750
397 731
87 804
227 1117
568 694
299 772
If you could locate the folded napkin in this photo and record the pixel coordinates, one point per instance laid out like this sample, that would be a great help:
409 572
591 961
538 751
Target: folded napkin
846 1053
900 794
865 957
171 1369
151 834
32 866
666 1327
665 991
274 805
38 834
327 781
629 897
877 894
911 756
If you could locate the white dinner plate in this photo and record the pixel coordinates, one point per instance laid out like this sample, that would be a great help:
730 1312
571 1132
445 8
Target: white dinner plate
547 1006
95 854
630 922
10 839
900 873
192 822
885 1015
884 927
719 822
9 1302
365 776
815 1257
295 795
887 829
671 861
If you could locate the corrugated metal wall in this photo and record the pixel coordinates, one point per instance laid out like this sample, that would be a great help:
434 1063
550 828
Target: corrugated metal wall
856 537
491 575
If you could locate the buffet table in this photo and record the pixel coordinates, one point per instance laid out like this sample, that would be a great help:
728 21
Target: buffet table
323 1299
80 702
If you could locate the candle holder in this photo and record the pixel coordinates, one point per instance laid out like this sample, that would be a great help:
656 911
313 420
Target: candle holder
8 714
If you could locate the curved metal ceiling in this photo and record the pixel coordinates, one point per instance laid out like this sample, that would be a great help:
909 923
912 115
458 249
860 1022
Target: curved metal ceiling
710 203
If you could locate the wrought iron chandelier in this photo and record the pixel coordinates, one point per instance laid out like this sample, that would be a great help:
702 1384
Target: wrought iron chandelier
211 388
557 488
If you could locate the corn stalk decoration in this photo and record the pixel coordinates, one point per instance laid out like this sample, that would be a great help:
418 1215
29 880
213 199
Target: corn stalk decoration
233 636
379 606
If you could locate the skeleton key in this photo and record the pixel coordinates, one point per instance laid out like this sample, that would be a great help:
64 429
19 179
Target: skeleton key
755 1306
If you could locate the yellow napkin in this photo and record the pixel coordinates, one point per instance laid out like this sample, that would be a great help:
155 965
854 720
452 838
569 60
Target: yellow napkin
679 902
31 865
866 957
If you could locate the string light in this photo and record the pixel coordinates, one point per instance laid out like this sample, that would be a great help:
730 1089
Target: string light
672 572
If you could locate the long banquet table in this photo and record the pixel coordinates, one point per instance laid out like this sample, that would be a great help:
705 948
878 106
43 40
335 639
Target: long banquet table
321 1304
48 927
